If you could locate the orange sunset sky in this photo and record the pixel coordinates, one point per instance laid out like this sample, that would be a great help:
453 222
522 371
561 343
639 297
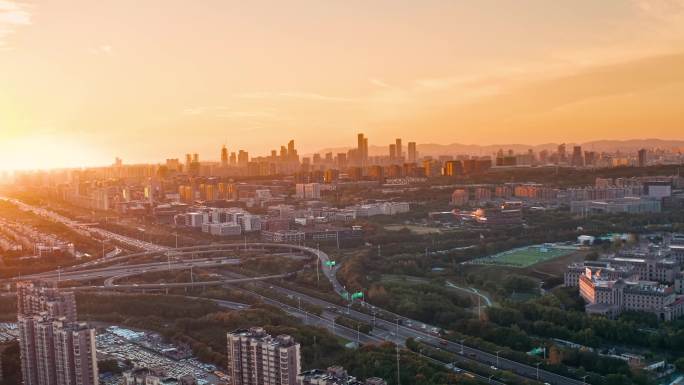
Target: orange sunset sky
83 81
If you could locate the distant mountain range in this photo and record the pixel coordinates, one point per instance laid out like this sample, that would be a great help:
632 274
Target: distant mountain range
434 149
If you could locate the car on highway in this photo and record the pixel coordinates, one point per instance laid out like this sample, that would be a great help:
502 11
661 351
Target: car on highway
493 367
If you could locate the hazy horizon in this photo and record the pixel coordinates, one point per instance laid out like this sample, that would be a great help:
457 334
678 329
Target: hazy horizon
144 81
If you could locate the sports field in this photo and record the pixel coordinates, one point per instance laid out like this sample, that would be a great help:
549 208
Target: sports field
525 256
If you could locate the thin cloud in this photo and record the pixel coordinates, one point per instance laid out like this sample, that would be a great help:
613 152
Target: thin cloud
379 83
12 15
294 95
104 49
225 112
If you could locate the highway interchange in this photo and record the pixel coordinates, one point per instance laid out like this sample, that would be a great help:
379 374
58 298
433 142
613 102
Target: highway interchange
387 326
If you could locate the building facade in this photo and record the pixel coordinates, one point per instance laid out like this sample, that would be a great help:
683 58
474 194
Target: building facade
256 358
54 348
609 297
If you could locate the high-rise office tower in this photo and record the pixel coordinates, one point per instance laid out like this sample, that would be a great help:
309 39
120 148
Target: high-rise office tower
188 161
561 153
55 350
242 158
233 158
589 158
577 158
392 151
412 153
399 149
195 158
362 149
359 146
224 156
256 358
642 157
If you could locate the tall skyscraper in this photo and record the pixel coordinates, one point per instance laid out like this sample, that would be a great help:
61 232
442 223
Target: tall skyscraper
224 156
362 149
642 157
412 153
561 153
392 151
291 151
359 145
188 162
399 149
242 158
256 358
55 349
577 157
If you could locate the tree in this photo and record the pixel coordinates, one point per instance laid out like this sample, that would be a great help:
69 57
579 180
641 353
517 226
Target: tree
679 364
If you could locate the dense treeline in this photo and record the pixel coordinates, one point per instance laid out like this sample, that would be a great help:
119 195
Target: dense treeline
8 308
539 319
380 361
430 303
11 364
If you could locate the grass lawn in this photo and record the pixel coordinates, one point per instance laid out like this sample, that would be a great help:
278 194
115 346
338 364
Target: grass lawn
525 256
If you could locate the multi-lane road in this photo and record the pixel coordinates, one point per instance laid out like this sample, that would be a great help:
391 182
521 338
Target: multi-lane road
81 227
398 330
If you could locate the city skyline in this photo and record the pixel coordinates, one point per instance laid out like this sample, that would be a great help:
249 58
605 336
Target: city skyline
81 87
310 192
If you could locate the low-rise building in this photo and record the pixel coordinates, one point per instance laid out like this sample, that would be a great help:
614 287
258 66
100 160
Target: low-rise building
283 236
154 376
335 375
609 297
630 205
604 268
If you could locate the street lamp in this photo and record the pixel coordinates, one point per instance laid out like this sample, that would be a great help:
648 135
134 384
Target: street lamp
462 341
538 363
358 335
497 357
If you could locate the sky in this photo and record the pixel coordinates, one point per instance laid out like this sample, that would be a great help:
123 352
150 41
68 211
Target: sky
82 82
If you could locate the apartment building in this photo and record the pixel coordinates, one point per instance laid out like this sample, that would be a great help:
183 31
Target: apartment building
308 191
54 348
34 298
257 358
